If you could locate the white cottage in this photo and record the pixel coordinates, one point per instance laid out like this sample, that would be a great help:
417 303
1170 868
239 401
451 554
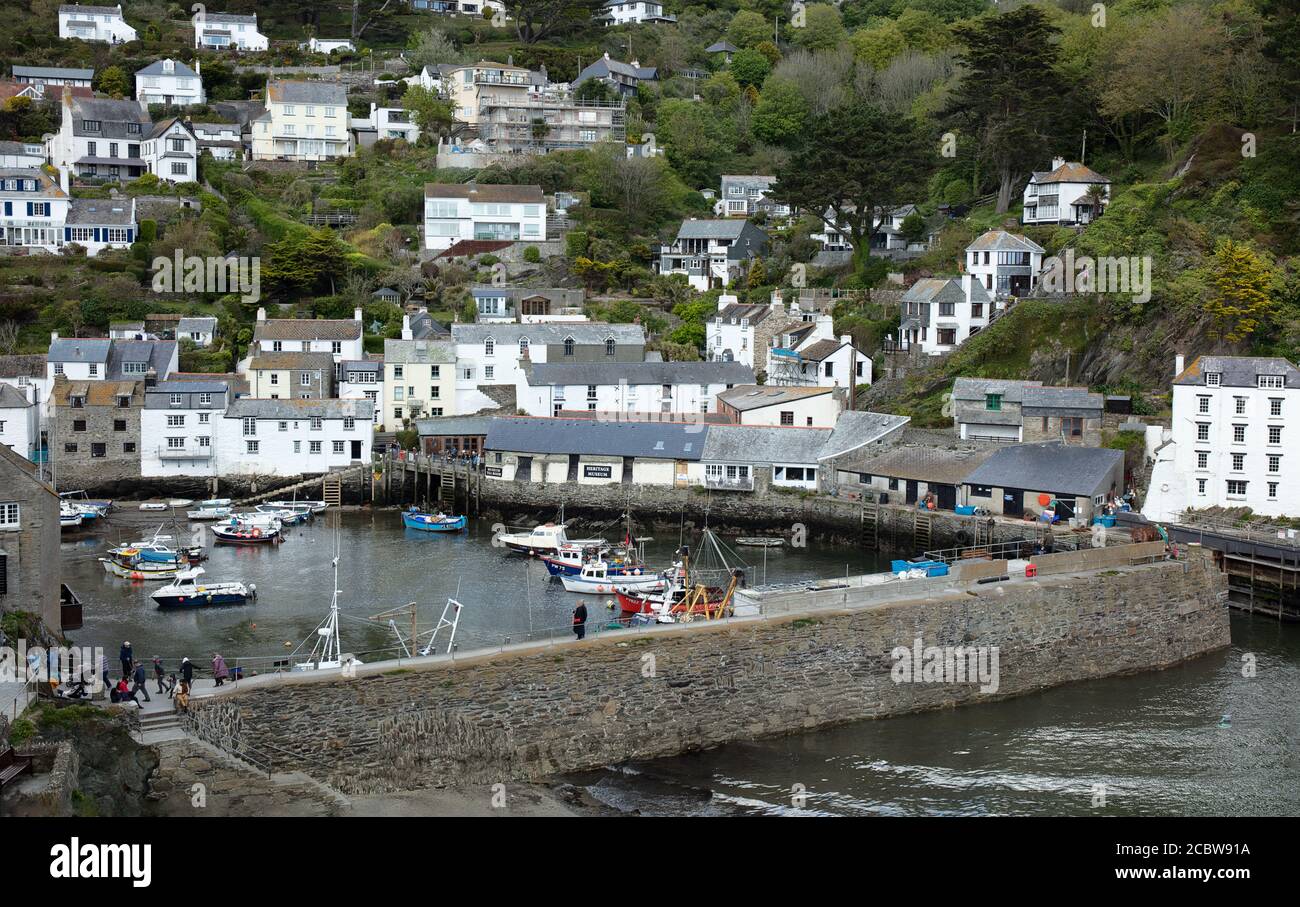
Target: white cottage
170 82
100 24
293 437
1065 195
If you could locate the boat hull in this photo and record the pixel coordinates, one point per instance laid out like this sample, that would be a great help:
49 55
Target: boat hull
253 536
201 600
133 571
611 585
427 523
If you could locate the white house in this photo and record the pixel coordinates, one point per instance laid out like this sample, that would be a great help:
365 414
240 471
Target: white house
170 82
712 253
201 330
363 380
226 31
304 121
101 359
29 375
293 437
469 211
1233 436
458 7
342 338
385 123
20 419
1005 264
682 388
34 208
1063 196
939 313
743 195
224 141
103 24
743 333
757 404
97 224
22 155
43 78
530 305
179 427
632 12
171 152
808 353
100 138
329 45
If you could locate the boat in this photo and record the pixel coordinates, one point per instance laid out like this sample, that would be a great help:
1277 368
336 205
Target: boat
185 591
69 517
157 550
595 578
154 505
260 520
212 512
761 541
245 534
704 589
286 517
544 539
433 522
88 508
314 506
127 564
327 645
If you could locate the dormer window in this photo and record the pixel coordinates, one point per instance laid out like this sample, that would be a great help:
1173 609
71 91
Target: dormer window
1213 379
523 347
77 402
489 347
1272 382
568 346
610 346
90 125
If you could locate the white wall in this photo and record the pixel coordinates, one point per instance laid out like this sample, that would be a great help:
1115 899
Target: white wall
449 220
822 409
155 430
277 454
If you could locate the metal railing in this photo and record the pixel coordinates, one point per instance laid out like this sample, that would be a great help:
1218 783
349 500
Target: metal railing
1251 531
725 484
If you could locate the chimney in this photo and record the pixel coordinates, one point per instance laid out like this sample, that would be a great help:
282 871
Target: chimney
198 66
965 286
261 314
846 338
64 182
54 335
635 64
407 333
1178 365
1058 162
778 304
606 55
356 314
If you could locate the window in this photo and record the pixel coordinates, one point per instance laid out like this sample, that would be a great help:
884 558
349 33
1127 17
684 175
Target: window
315 423
119 425
489 347
1274 463
399 393
435 371
1275 434
94 369
204 441
69 448
568 346
1238 462
523 347
250 426
591 392
313 447
1213 379
1072 426
9 513
128 447
397 413
305 379
1272 382
609 346
1202 431
397 371
435 392
787 417
1275 407
338 447
297 447
976 491
349 424
275 378
98 451
1200 486
179 168
283 426
79 425
175 443
336 346
1202 459
1238 434
252 446
489 372
90 125
992 402
1272 491
174 421
1236 488
1203 405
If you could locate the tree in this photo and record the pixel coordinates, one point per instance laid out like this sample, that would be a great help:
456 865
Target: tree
304 262
748 29
695 139
913 228
749 67
432 114
433 47
923 30
781 112
113 82
8 337
538 19
364 14
1241 291
823 29
854 161
1011 95
878 45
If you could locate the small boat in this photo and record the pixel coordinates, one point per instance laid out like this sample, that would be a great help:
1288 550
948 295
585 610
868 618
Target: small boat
210 513
595 578
692 590
433 522
69 518
126 565
544 539
185 591
286 517
88 508
313 506
244 534
761 541
154 505
213 502
264 520
157 550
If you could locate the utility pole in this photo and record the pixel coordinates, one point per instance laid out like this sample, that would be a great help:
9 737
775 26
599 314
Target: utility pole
1083 155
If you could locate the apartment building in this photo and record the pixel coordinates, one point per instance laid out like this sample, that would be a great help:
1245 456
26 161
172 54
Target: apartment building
178 425
682 388
304 121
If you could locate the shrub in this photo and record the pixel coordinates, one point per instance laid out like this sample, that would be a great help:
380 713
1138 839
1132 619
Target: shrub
532 255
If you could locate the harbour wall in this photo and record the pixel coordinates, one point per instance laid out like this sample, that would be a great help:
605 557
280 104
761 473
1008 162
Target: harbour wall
532 710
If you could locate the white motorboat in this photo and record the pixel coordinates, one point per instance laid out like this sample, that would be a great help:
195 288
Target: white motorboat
186 591
313 506
210 513
544 539
596 579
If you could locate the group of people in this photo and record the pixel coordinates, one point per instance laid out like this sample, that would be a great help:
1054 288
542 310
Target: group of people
134 679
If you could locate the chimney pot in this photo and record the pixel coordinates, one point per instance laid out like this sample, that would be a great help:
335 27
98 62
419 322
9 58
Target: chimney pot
356 314
261 314
1178 365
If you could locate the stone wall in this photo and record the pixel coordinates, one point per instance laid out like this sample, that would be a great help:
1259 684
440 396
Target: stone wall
535 710
31 561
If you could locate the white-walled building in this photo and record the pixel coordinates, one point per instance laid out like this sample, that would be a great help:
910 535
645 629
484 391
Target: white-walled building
683 388
464 211
342 338
293 437
170 82
743 195
529 305
363 380
939 313
102 24
224 141
419 380
179 425
226 31
808 353
388 123
1061 195
29 374
97 224
172 151
632 12
329 45
20 419
22 155
101 359
1234 433
1005 264
304 121
712 253
104 139
802 407
48 80
35 210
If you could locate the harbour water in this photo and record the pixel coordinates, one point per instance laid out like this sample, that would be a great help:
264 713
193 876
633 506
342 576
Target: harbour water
1199 739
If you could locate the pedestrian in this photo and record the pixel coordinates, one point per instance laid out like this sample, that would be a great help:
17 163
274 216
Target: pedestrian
159 673
127 657
187 671
141 682
219 669
580 620
103 668
125 694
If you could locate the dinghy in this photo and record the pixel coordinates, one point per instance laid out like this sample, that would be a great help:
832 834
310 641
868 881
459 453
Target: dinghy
433 522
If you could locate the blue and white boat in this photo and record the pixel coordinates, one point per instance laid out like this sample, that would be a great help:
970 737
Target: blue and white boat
187 591
433 522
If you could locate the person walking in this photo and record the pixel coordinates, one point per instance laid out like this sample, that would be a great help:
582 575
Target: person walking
219 671
159 673
141 682
187 672
580 620
127 657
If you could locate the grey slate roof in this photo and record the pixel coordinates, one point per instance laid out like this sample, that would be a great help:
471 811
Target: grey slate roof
363 365
157 354
922 463
1050 467
199 323
413 352
763 445
584 332
113 117
711 229
566 373
111 212
944 289
230 17
856 428
292 361
79 349
249 407
1238 371
1059 401
180 70
52 72
11 398
1002 241
660 440
721 47
188 387
31 365
754 396
1012 391
487 192
289 91
74 8
453 425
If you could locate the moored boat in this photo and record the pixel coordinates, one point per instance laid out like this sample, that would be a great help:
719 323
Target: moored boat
433 522
215 512
69 517
544 539
761 541
127 564
246 534
313 506
595 578
186 591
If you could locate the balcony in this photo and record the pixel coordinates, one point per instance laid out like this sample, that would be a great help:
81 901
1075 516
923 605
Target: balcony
184 453
733 483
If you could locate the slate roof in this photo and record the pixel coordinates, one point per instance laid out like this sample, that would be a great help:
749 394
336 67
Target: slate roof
820 350
944 289
1051 467
351 366
1002 241
1069 172
413 352
923 463
113 117
1238 371
79 349
101 212
660 440
583 332
755 396
856 428
1012 391
230 17
733 313
188 387
202 324
453 425
566 373
289 91
180 70
292 361
91 10
729 228
307 329
721 47
254 408
762 444
48 187
486 192
30 365
609 66
52 72
12 398
1062 401
157 354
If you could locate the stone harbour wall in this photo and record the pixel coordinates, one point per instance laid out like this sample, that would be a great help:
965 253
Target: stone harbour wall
534 710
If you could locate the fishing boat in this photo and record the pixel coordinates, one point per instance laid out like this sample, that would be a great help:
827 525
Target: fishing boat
127 564
595 578
290 515
236 533
761 541
216 509
704 589
157 551
433 522
186 591
544 539
69 517
326 643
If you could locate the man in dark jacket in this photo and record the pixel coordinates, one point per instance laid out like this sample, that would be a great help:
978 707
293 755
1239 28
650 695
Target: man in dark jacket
580 620
159 673
127 657
141 682
187 672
